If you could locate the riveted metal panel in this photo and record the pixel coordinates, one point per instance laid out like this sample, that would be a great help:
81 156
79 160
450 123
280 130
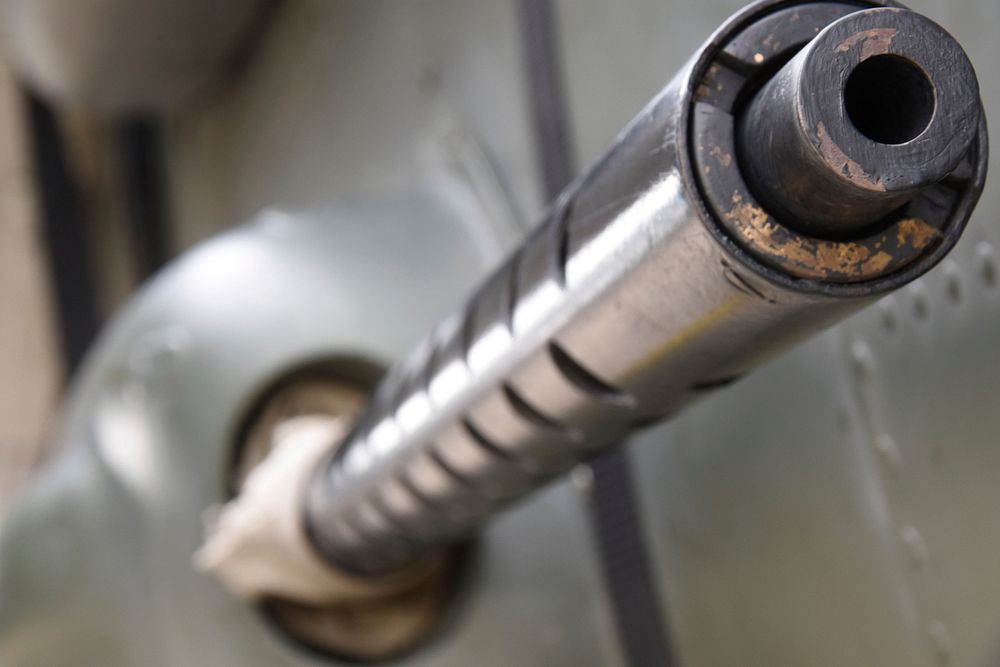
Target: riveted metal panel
838 506
833 508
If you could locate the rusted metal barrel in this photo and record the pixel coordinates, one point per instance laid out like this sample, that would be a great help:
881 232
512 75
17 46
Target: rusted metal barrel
811 157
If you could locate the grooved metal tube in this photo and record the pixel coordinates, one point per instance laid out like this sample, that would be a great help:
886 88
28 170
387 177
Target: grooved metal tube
664 272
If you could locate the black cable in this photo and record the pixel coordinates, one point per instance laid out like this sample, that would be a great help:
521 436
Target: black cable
139 144
548 108
624 561
64 235
614 513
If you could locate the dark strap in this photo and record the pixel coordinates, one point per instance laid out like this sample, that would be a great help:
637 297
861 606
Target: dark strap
614 514
64 234
624 562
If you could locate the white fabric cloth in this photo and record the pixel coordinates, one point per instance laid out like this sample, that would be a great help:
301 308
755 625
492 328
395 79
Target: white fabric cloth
256 544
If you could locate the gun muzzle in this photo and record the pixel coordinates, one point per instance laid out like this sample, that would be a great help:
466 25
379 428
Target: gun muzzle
811 157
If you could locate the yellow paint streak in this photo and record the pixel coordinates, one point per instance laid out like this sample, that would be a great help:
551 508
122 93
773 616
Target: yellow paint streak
693 330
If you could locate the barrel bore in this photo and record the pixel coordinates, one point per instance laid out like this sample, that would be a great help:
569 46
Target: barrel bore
889 99
880 105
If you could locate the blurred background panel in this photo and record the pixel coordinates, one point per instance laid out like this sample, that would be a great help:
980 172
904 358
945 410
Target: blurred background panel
837 507
116 56
30 371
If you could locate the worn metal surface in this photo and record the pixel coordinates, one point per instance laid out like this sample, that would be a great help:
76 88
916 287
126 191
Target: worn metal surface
875 109
774 170
630 301
778 538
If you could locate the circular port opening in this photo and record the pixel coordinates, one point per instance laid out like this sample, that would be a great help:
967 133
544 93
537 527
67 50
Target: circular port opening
889 99
369 631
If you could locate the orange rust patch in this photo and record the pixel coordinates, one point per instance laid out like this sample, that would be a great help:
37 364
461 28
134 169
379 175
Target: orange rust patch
916 232
725 159
822 259
834 156
874 42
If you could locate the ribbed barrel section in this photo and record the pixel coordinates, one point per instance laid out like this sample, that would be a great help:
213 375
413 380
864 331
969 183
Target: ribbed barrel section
655 279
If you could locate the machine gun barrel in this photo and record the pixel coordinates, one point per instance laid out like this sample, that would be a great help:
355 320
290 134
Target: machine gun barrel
811 157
